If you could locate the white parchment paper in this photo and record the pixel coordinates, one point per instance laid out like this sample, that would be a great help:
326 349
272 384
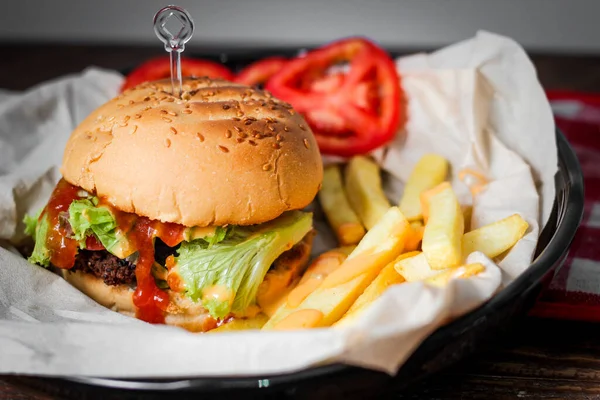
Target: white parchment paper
478 103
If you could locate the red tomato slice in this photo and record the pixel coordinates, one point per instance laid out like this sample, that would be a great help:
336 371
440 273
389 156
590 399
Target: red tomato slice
351 111
160 68
92 243
261 71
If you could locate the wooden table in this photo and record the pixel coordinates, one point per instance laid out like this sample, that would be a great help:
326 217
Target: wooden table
540 359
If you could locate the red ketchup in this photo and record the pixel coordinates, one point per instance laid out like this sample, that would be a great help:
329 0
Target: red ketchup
62 248
149 299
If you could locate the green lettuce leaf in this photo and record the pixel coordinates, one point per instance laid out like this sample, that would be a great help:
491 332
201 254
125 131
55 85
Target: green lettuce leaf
87 219
40 254
31 223
238 263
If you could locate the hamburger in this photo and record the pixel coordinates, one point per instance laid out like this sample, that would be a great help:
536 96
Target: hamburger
184 210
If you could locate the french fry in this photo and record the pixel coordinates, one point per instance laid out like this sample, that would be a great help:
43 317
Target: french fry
343 220
495 238
414 267
242 324
320 267
444 229
465 271
364 191
335 294
416 235
430 171
386 278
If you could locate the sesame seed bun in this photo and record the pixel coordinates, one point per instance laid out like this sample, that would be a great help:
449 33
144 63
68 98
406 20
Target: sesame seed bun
222 154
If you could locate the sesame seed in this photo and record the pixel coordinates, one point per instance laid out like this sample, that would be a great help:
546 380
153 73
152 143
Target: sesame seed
111 118
276 146
306 143
228 134
223 149
167 119
236 119
187 106
171 99
240 113
174 131
242 135
292 112
200 136
131 101
173 113
163 98
302 127
168 142
269 120
239 140
247 122
187 111
123 124
237 128
137 116
127 117
133 130
271 128
266 167
279 138
163 111
285 128
252 142
280 115
258 136
226 107
146 98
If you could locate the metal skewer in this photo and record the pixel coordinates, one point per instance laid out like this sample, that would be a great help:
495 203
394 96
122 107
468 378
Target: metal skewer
181 22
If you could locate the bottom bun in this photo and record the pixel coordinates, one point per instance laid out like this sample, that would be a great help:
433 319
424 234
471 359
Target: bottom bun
182 311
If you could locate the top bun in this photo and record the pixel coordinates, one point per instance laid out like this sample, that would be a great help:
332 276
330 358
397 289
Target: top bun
222 154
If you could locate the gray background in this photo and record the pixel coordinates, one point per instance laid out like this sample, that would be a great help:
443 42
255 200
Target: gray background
540 25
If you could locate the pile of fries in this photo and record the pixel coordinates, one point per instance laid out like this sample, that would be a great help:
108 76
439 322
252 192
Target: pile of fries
423 238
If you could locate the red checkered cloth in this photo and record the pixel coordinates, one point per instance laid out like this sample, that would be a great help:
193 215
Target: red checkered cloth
574 292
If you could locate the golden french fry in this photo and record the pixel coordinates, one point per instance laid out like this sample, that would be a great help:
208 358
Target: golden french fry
324 302
495 238
339 213
462 272
444 229
416 235
320 267
414 267
430 171
241 324
364 191
386 278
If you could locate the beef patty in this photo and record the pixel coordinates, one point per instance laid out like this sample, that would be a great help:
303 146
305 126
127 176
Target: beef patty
111 269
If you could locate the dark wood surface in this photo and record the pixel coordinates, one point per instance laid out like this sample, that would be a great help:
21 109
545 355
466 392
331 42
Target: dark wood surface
539 359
